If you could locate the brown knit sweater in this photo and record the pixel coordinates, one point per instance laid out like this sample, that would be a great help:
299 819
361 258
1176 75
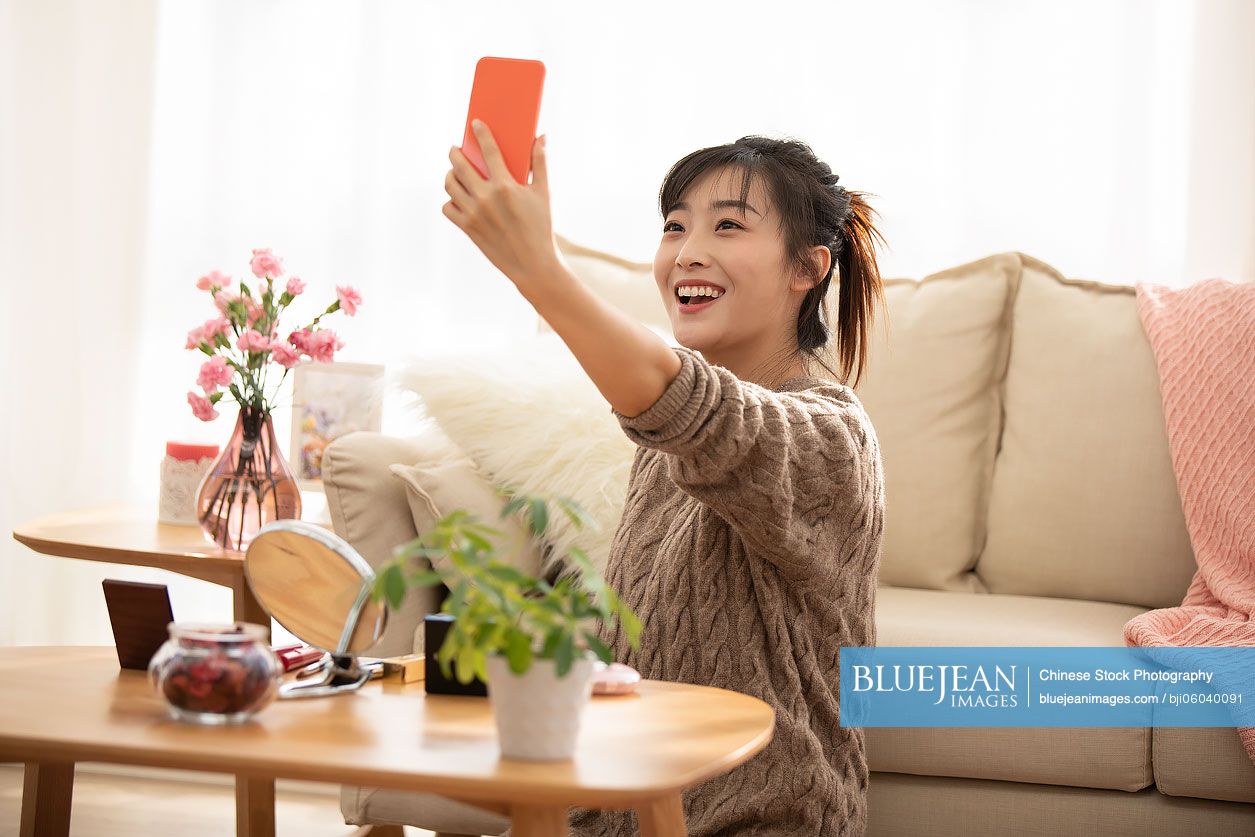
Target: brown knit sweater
749 546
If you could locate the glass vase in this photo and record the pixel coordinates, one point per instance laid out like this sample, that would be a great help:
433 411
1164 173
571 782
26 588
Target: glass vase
248 486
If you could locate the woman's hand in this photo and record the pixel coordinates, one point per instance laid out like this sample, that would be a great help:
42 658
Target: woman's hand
508 221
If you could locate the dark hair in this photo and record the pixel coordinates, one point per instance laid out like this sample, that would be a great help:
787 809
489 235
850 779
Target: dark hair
813 210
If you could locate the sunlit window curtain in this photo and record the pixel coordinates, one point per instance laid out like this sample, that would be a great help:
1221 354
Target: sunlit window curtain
148 142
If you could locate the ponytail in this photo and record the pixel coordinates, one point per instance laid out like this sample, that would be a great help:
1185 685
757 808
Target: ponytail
859 286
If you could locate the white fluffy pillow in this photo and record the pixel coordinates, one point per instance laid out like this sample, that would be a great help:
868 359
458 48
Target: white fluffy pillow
529 415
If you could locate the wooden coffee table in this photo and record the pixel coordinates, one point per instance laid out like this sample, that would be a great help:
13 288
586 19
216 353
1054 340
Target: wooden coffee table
62 705
129 535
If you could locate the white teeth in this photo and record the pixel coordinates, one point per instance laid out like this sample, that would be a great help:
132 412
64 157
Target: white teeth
699 291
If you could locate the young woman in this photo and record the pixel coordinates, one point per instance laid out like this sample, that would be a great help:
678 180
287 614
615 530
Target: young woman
750 538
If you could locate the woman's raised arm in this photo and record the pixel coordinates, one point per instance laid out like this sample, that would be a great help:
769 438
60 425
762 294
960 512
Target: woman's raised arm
510 222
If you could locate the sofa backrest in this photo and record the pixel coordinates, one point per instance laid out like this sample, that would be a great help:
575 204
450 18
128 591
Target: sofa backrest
1084 502
1020 427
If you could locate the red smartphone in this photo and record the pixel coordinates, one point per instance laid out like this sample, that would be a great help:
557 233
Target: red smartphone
505 96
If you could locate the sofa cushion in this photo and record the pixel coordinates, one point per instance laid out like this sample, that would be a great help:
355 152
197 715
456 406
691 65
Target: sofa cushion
931 389
909 806
1084 502
1203 762
1118 758
437 488
430 811
369 509
529 416
905 616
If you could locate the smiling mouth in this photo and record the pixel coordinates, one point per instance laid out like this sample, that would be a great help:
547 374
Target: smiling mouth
698 302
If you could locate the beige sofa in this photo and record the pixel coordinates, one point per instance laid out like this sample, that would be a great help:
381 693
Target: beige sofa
1030 501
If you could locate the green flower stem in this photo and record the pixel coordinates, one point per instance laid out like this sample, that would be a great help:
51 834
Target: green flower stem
279 386
265 367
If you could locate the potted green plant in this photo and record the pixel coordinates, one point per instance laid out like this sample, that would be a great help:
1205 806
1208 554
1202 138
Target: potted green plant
532 642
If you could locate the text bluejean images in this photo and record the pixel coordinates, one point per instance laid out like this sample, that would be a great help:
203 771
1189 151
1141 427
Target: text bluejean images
1047 686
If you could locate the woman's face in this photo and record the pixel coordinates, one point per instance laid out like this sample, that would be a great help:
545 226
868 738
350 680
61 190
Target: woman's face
740 249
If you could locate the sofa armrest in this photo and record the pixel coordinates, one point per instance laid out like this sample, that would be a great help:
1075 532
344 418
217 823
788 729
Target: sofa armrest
369 509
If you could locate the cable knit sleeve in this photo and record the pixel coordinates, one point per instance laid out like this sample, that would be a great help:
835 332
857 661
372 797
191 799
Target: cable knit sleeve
773 465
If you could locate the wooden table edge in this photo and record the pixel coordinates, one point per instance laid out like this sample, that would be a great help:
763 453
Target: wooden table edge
220 570
219 566
18 750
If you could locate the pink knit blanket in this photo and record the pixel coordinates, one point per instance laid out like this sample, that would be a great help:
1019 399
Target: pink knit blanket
1203 339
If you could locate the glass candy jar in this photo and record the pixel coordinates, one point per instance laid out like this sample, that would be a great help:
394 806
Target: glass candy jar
215 674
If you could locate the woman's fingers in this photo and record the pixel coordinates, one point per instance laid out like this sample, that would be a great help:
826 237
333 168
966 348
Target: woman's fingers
455 189
509 222
488 148
467 175
540 166
454 214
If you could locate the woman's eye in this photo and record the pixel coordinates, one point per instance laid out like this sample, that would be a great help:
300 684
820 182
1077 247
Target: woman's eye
666 226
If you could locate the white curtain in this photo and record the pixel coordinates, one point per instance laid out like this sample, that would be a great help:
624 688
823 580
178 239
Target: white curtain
145 143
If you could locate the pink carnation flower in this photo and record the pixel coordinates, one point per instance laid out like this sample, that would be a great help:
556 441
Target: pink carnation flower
253 341
300 339
212 328
285 355
195 337
214 373
349 299
255 311
213 279
224 298
295 286
202 407
322 345
265 263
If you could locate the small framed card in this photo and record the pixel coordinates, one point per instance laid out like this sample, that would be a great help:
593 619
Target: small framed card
140 614
329 400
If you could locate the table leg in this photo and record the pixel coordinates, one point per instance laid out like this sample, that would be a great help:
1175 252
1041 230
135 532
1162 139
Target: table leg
254 807
538 821
254 798
662 817
47 790
247 608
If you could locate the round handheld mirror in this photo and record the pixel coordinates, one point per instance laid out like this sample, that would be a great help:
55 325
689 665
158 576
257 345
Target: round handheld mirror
316 585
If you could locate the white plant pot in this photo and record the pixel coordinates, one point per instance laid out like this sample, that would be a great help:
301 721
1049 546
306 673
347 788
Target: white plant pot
538 713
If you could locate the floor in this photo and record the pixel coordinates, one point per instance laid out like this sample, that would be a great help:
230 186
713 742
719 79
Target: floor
109 804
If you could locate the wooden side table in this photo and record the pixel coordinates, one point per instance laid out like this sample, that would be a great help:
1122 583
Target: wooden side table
62 705
128 535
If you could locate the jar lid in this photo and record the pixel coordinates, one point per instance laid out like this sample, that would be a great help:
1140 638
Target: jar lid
218 631
190 451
